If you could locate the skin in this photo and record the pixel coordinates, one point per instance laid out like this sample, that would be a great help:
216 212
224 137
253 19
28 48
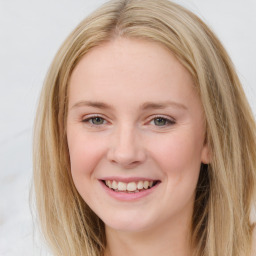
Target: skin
128 84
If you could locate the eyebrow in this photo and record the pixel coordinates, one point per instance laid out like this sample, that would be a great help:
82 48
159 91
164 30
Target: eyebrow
95 104
144 106
162 105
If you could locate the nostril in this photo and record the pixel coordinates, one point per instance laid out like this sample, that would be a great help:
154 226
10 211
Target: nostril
126 165
126 160
126 157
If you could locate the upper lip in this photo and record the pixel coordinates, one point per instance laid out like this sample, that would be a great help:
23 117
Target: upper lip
128 179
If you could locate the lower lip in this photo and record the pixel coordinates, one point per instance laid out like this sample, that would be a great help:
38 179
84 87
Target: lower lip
124 196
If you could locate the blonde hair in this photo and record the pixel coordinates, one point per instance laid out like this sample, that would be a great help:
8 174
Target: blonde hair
226 187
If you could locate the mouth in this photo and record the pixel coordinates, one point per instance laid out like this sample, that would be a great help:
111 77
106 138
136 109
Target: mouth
130 187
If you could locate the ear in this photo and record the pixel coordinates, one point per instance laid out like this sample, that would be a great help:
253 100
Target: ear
206 154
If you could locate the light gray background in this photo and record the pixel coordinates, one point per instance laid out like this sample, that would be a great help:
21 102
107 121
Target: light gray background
30 34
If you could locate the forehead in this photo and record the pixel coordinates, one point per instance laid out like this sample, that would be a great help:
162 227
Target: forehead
136 68
129 55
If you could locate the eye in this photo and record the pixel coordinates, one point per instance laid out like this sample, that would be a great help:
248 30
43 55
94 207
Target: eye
159 121
95 120
162 121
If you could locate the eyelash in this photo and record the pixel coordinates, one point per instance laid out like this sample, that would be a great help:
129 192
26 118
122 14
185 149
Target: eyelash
90 118
168 121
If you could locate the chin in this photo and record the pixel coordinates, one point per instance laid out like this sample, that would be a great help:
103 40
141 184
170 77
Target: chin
129 223
127 227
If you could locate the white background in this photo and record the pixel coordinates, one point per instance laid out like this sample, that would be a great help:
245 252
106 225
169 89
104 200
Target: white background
30 34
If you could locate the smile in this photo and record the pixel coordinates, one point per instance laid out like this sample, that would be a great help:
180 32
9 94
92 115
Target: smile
130 187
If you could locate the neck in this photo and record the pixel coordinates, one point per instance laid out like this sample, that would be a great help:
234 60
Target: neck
168 240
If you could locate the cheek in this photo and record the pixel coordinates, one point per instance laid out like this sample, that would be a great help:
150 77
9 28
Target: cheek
85 153
179 155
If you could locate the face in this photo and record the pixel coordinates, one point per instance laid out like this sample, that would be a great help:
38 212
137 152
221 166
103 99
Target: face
135 131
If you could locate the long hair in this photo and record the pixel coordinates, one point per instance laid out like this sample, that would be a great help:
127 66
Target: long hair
221 224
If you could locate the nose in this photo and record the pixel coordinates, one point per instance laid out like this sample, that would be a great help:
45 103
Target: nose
126 148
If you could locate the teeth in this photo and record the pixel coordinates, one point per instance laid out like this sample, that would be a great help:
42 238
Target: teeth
145 185
130 187
109 184
114 184
121 186
140 185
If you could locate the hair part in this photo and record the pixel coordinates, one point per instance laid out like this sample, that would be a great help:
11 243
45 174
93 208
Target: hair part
221 222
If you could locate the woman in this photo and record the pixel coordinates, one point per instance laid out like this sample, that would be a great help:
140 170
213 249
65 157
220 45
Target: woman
144 140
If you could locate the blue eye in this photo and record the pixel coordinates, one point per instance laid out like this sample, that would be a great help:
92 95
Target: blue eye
159 121
96 120
162 121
